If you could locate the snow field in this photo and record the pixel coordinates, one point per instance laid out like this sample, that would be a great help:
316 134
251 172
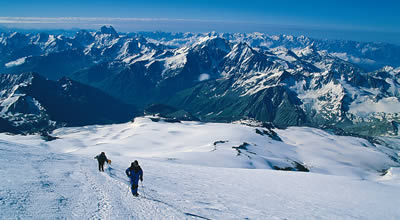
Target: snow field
187 176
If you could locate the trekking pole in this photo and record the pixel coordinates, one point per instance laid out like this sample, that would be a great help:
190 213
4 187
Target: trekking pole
144 194
129 189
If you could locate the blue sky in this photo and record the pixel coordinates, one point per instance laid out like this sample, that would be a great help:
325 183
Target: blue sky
351 18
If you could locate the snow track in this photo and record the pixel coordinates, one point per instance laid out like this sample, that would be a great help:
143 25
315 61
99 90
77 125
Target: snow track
51 185
114 189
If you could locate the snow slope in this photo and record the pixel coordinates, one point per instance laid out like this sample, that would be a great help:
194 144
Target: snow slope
187 176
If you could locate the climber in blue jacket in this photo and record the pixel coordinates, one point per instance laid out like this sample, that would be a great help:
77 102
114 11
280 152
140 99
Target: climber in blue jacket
135 173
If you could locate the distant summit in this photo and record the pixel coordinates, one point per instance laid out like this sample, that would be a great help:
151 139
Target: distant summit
109 30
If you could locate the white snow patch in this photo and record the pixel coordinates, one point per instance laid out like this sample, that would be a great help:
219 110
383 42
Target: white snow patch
130 58
175 62
50 41
330 104
204 39
16 62
257 81
204 76
303 51
282 53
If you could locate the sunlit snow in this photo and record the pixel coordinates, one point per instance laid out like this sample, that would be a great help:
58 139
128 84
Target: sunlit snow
16 62
195 170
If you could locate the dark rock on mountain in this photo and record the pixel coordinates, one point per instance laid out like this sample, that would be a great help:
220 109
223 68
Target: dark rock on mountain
6 126
296 167
170 112
270 133
109 30
75 104
84 38
217 101
54 65
35 104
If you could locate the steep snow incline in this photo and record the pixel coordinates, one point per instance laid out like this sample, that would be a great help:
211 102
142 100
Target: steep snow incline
187 176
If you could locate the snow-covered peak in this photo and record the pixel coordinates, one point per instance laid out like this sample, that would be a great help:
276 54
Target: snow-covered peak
16 35
397 70
388 68
386 73
12 80
213 42
109 31
202 40
284 54
16 40
307 51
240 52
42 38
84 37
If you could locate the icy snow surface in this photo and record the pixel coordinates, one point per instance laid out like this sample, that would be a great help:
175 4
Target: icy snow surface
192 171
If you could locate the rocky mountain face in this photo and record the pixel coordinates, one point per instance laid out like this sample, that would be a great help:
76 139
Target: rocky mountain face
369 55
283 79
31 103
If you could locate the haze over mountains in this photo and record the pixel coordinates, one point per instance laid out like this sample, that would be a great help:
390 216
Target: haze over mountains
347 86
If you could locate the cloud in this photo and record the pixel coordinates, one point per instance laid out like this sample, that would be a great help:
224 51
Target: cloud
121 24
75 20
192 25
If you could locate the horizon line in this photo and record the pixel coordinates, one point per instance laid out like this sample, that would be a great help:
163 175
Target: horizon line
183 25
81 20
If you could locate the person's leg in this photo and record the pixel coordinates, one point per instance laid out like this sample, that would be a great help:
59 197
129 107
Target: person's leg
102 167
99 166
137 186
134 187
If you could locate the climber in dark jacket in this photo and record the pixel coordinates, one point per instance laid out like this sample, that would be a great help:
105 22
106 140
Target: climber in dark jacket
135 173
101 158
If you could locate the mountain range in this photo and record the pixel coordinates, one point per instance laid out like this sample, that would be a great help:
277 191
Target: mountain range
347 86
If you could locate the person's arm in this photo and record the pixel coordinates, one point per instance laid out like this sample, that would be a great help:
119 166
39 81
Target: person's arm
141 175
128 173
